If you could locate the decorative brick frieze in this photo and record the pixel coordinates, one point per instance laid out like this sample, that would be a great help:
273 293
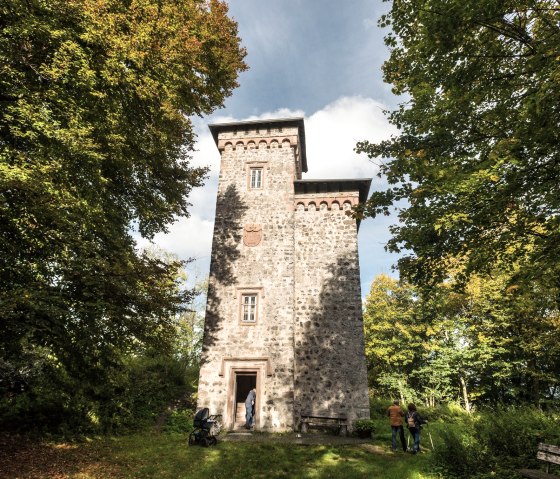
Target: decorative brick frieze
263 143
320 203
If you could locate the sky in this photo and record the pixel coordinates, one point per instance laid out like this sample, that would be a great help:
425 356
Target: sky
317 59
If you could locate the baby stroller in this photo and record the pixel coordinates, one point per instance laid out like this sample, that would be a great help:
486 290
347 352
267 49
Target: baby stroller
206 428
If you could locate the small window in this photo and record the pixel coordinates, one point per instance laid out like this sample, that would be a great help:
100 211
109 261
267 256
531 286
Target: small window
249 308
255 180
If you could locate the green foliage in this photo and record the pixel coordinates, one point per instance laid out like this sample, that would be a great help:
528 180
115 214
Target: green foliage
38 393
393 336
95 142
378 406
516 432
446 412
489 442
477 156
460 454
179 422
190 326
95 137
132 397
364 427
496 442
484 343
146 387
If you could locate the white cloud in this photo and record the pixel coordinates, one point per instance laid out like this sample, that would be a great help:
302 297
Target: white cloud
187 238
331 135
280 113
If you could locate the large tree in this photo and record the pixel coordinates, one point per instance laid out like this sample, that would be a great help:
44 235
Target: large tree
489 343
394 336
477 158
95 137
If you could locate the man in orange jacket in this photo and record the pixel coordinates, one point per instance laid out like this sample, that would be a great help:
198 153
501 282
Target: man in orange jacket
395 414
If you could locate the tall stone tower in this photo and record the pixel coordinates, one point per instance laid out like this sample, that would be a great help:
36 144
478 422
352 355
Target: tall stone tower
284 305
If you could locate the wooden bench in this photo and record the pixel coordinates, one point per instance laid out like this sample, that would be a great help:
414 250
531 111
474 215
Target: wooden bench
325 420
549 454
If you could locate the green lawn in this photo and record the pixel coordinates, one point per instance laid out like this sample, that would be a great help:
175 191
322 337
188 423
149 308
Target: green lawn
229 460
168 456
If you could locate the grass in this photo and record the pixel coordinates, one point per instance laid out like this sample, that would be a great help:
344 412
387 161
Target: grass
167 456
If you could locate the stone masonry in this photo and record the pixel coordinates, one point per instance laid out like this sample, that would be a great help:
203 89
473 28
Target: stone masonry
290 246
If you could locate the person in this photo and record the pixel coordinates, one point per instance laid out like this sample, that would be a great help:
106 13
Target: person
395 414
414 423
250 408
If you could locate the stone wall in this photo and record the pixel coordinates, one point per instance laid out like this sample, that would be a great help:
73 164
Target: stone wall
302 261
267 268
330 366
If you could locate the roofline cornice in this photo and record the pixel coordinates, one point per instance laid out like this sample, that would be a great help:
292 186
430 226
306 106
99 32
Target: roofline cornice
216 128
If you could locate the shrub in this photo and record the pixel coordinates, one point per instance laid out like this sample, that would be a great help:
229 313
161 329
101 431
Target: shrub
494 443
179 421
364 427
37 395
451 412
460 454
378 406
513 434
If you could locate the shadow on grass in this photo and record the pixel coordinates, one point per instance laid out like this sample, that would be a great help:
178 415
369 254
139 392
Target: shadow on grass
168 457
171 459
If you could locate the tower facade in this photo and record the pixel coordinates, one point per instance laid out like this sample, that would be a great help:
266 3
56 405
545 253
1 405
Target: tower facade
284 304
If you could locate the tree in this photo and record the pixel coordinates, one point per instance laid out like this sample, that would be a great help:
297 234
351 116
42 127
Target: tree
393 336
95 137
190 326
478 154
488 343
143 381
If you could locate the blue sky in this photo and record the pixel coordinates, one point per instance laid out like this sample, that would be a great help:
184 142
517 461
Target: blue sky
320 59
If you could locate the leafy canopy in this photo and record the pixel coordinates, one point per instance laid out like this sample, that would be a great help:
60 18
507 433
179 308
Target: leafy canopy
478 154
95 136
489 343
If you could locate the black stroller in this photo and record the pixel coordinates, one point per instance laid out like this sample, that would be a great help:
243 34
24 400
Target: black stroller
206 428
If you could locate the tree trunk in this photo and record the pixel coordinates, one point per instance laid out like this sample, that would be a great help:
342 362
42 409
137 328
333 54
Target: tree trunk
465 394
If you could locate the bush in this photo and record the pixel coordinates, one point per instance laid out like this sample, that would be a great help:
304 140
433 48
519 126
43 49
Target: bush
513 434
364 427
37 395
446 412
460 454
179 422
378 407
496 442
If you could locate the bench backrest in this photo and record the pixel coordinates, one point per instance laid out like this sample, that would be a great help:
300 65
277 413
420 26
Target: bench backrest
549 453
323 414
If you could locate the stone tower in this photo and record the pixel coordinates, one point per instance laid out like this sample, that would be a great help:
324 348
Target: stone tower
284 304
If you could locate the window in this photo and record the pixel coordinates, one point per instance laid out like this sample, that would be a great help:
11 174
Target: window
255 180
249 308
249 303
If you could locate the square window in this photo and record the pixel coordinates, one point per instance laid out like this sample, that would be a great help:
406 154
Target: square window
255 181
249 308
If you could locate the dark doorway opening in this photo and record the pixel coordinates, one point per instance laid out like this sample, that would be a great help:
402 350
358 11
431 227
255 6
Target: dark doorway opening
244 382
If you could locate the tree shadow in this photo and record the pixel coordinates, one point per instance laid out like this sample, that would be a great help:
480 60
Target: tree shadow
225 251
329 348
